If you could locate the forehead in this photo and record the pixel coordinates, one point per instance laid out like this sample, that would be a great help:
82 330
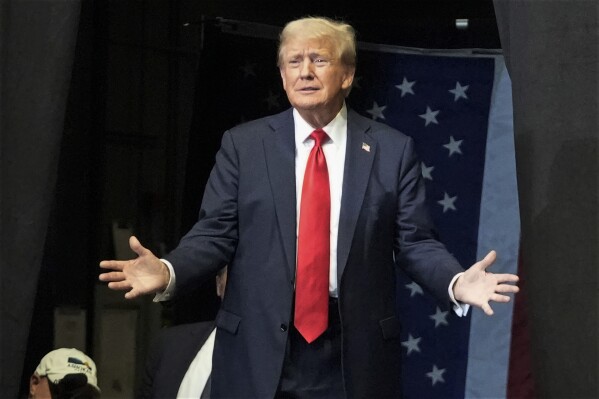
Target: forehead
299 46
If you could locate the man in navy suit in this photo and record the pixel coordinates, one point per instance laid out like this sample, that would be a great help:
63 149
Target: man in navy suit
250 220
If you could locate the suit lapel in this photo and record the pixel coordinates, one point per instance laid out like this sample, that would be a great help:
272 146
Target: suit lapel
359 156
279 147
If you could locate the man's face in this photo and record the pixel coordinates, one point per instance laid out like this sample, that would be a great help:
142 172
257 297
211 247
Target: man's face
39 388
313 77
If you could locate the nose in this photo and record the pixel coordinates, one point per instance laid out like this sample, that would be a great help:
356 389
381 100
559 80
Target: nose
306 71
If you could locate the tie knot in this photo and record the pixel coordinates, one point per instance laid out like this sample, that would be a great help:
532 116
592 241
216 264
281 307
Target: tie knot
319 136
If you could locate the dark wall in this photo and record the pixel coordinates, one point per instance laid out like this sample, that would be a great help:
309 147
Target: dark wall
414 23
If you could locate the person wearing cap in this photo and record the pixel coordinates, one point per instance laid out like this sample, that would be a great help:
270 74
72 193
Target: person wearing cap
65 373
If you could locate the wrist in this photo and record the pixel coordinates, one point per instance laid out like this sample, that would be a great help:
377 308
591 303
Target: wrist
457 288
166 276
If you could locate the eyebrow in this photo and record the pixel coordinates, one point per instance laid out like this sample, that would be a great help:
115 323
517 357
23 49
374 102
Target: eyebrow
312 54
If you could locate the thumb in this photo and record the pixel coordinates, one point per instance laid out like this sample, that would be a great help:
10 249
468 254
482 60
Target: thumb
132 294
136 246
487 260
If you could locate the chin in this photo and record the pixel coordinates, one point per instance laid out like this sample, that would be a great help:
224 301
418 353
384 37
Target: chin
307 106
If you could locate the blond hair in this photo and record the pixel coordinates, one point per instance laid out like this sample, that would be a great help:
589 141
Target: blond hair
342 36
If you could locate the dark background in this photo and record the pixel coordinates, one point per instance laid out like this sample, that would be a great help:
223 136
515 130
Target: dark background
98 111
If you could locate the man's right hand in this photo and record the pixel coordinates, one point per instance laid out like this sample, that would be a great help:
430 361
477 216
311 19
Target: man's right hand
144 275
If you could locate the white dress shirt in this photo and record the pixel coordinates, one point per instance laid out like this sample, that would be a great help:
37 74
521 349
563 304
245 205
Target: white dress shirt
334 152
198 372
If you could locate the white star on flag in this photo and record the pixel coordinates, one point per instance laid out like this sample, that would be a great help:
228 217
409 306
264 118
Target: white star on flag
272 100
459 91
412 344
426 171
436 375
376 111
448 202
440 317
414 289
406 87
429 116
453 146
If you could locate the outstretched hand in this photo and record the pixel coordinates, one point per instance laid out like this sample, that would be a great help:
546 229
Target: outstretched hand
477 286
145 274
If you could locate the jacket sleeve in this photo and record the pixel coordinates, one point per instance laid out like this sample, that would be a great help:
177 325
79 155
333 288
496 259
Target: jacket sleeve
417 249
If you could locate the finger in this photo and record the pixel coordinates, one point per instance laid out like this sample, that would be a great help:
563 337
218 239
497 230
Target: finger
132 294
507 278
119 285
112 264
507 288
500 298
112 276
487 309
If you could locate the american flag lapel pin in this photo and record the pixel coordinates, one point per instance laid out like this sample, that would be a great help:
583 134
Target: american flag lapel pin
365 147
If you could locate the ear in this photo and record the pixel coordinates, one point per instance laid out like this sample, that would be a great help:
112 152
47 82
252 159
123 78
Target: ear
348 78
282 75
34 382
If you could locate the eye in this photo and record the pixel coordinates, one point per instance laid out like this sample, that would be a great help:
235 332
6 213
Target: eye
320 61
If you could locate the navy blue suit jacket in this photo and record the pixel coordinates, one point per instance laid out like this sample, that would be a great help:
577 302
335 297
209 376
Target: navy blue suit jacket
169 357
248 221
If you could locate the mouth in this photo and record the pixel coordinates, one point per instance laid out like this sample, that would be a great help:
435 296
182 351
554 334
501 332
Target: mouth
308 89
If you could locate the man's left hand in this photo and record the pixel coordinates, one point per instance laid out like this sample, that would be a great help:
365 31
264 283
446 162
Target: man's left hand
477 286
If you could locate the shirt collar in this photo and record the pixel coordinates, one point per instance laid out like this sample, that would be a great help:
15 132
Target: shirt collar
336 129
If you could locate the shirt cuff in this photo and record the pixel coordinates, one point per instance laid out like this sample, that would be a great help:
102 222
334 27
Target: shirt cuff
461 309
169 291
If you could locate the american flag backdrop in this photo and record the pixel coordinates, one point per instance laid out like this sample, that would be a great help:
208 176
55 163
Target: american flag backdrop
457 107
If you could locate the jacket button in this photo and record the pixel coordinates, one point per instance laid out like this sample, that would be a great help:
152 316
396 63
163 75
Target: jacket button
283 327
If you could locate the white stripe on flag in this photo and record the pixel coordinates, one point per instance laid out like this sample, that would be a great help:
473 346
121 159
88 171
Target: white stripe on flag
499 229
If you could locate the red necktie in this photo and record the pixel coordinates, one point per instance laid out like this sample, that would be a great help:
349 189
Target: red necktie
313 246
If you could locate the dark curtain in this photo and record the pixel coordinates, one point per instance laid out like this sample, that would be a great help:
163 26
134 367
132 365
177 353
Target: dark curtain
248 75
37 42
551 52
